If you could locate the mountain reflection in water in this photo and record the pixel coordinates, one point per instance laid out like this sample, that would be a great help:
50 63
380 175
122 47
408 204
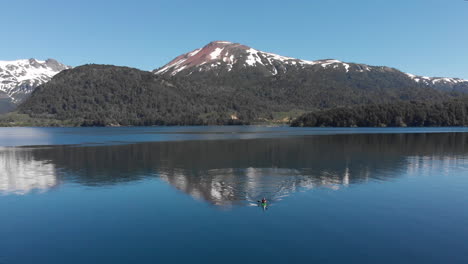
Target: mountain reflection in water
229 172
21 172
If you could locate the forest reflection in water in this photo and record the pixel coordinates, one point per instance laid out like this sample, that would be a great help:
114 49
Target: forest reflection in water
226 172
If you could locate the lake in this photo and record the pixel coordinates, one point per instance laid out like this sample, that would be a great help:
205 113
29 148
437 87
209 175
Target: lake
190 194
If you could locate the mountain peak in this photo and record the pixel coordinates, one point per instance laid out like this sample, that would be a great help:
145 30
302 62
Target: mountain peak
220 42
228 55
213 53
225 57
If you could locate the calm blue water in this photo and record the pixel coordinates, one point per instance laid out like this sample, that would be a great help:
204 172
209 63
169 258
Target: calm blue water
189 194
28 136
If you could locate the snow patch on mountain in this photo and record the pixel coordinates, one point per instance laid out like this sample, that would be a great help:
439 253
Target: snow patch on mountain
215 54
20 77
193 53
436 80
227 54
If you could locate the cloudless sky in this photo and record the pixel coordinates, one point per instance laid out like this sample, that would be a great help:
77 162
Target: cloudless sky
424 37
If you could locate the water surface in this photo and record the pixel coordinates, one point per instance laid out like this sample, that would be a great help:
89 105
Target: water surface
190 194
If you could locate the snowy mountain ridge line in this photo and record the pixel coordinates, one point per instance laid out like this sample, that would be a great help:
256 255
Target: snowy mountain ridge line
227 54
435 80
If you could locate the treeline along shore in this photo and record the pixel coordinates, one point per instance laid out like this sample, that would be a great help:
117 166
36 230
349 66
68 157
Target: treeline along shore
400 114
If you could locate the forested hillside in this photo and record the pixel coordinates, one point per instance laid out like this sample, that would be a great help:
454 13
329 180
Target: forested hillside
402 114
104 95
218 84
6 104
101 95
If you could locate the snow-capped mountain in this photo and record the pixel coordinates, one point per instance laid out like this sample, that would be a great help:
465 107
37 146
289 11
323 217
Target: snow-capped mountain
224 56
20 77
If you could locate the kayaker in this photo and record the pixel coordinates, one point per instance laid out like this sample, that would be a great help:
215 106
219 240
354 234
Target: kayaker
264 201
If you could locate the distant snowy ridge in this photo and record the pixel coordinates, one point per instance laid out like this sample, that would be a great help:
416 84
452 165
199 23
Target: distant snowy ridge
435 80
19 78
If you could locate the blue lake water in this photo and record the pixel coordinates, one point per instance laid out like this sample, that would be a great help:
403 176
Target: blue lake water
189 194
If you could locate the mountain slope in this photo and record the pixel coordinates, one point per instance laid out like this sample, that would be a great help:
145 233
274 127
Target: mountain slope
442 83
221 83
225 56
222 57
19 78
283 83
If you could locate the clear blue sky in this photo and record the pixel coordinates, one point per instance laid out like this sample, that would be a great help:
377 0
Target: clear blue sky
425 37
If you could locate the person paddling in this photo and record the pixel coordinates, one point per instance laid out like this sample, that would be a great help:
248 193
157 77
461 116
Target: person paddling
263 204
